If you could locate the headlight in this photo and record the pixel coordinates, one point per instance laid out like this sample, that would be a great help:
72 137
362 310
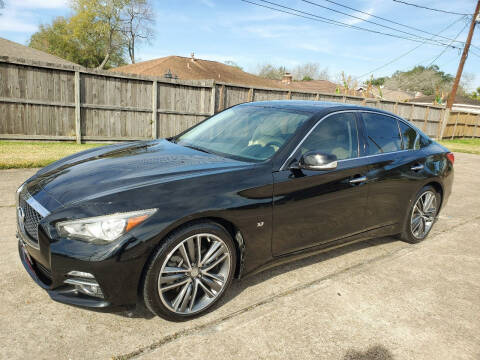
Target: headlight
106 228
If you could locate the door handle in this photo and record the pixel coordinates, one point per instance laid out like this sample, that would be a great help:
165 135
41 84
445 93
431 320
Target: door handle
417 167
358 180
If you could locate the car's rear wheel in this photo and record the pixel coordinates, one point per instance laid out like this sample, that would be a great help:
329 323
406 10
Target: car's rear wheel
190 272
422 215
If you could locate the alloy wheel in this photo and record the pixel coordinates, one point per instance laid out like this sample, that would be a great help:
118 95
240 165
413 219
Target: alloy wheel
423 214
194 274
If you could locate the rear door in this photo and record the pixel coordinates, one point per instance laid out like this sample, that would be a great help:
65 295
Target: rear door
315 207
395 167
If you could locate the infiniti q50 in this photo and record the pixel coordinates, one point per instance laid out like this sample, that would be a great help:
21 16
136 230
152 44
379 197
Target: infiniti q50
171 222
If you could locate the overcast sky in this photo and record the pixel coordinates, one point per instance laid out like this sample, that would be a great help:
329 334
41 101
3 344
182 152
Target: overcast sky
249 35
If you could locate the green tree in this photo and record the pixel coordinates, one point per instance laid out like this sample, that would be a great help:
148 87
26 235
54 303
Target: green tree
476 94
378 81
100 33
428 80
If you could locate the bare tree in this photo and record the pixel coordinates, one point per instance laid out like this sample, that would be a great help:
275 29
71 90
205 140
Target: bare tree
310 71
270 71
138 19
2 5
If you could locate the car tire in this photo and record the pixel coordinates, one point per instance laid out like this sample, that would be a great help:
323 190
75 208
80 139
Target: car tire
172 259
418 222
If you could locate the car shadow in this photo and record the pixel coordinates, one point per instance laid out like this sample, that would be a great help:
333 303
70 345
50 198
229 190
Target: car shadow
238 287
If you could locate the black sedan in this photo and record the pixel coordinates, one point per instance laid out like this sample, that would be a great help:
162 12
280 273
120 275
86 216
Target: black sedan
173 221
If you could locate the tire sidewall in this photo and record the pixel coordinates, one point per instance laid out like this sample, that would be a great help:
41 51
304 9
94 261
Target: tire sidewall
150 289
408 235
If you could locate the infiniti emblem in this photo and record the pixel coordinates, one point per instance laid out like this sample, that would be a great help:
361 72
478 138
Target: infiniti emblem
21 218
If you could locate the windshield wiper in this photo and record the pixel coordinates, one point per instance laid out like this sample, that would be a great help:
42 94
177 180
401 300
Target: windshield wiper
197 148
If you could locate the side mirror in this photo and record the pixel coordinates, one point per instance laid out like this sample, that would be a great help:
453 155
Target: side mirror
314 160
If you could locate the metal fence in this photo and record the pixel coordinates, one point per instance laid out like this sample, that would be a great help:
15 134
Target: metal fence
42 101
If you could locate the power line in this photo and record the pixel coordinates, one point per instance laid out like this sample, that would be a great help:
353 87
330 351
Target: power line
429 8
378 17
359 18
409 51
445 49
334 22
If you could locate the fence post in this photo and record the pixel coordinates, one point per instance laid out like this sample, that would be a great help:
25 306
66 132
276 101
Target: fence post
289 95
410 118
250 95
154 108
221 101
213 98
476 125
443 124
395 107
317 96
78 120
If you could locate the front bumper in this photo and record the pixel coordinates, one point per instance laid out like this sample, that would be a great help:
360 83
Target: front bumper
49 270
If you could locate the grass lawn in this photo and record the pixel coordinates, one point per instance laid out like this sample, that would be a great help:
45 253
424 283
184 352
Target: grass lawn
471 146
23 154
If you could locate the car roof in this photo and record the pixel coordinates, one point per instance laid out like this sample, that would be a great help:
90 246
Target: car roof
313 107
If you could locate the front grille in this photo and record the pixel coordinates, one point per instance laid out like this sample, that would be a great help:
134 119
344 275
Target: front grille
32 217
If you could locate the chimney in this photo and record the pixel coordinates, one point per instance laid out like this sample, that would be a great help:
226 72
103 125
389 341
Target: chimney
287 78
192 55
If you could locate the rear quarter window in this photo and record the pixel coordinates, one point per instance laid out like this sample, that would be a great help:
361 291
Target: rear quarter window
409 136
382 133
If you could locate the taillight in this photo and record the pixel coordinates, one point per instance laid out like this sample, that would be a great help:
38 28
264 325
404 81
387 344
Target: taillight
451 157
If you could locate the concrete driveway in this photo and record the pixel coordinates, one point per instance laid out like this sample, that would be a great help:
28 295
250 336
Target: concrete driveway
381 299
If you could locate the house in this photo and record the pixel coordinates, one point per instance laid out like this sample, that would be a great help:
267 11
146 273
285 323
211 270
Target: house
461 103
14 50
191 68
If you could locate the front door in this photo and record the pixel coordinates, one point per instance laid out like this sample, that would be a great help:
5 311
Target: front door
315 207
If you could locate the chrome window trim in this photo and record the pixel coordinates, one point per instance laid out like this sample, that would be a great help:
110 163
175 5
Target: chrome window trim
358 157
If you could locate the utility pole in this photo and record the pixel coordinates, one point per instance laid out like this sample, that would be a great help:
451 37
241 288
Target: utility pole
453 93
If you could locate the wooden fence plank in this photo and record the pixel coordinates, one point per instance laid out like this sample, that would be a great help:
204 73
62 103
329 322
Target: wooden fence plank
78 119
154 109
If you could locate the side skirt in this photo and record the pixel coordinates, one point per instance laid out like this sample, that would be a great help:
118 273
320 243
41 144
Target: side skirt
315 250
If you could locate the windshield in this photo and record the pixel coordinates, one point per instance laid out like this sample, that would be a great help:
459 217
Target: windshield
247 132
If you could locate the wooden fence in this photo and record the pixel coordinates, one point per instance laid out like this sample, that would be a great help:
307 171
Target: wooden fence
462 125
44 101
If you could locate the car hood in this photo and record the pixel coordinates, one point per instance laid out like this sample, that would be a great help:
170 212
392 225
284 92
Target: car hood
109 169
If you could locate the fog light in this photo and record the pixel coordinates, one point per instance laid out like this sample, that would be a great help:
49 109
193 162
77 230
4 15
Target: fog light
85 283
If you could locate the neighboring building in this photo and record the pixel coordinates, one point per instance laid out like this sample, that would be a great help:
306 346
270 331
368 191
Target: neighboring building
191 68
461 103
15 50
384 93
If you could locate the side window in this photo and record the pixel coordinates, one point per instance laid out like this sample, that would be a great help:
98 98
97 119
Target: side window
409 136
382 133
337 135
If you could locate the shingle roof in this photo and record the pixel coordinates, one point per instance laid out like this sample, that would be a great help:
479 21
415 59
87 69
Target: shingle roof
15 50
198 69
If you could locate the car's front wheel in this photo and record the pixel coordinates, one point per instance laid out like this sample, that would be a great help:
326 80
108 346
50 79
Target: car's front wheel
190 271
422 215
